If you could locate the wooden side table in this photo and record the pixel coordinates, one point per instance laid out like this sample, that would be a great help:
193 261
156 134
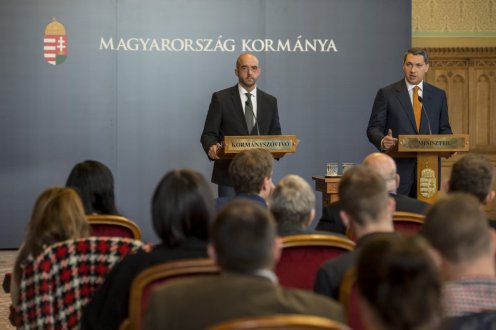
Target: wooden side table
328 186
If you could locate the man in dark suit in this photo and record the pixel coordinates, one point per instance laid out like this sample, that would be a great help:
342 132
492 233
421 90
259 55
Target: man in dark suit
240 110
367 210
385 166
409 106
245 246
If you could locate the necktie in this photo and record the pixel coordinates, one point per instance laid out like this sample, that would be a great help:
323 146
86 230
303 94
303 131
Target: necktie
417 107
249 113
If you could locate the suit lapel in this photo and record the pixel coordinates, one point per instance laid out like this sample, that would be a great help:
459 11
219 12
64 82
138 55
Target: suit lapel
406 103
238 107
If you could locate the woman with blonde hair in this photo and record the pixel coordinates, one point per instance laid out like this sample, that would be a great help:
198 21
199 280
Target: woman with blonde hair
58 215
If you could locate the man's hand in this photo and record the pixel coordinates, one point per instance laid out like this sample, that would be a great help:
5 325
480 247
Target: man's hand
388 141
213 150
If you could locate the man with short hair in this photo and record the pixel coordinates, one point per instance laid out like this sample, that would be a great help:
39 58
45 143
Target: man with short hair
245 246
293 205
240 110
385 166
251 176
457 230
367 210
473 174
409 106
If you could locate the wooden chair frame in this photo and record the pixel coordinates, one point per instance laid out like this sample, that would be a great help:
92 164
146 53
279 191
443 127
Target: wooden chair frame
408 216
164 270
286 322
317 240
116 220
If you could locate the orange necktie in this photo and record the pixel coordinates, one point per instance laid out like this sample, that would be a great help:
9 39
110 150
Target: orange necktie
417 107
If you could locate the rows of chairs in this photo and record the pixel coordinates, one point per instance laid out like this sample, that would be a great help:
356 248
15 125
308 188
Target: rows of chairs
304 252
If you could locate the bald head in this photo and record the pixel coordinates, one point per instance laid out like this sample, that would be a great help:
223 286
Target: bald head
386 167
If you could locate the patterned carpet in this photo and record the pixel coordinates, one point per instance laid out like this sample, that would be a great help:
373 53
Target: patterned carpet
7 258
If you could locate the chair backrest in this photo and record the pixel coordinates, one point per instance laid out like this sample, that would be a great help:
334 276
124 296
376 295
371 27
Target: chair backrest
302 255
281 322
152 277
407 223
348 297
56 285
113 226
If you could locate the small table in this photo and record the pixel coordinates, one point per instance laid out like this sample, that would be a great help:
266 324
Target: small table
328 186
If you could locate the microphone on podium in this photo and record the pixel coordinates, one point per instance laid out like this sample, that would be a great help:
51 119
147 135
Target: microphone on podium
421 100
248 105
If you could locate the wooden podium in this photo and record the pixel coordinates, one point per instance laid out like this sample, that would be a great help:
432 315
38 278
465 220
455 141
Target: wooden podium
428 149
278 145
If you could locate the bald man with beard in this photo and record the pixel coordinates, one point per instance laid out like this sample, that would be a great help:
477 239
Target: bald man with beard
386 167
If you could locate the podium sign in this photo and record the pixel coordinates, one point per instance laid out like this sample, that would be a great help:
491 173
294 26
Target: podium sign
277 145
427 149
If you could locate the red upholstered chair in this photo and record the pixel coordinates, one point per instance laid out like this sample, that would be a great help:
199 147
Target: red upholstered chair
113 226
148 279
302 256
348 297
407 223
56 285
280 322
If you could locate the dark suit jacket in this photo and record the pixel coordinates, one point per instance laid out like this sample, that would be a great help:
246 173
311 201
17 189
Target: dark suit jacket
201 302
393 110
226 118
330 275
331 220
222 201
109 304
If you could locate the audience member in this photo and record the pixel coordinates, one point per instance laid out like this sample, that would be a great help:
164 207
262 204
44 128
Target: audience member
293 205
399 285
94 183
367 210
182 208
385 166
473 174
251 176
58 215
458 232
245 246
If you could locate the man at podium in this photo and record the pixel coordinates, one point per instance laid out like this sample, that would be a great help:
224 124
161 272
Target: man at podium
236 111
409 106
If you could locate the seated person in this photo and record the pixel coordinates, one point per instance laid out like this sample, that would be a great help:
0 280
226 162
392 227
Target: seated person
456 227
398 284
251 176
292 204
94 183
58 215
367 210
182 208
245 246
385 166
473 174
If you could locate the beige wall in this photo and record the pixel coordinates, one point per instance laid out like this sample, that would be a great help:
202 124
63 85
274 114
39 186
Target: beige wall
454 23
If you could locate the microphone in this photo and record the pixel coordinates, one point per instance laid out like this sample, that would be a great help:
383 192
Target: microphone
421 100
248 105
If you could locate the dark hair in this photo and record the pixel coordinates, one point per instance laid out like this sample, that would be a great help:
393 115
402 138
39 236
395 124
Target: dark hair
243 235
472 174
417 51
457 227
182 207
363 194
400 282
248 170
94 183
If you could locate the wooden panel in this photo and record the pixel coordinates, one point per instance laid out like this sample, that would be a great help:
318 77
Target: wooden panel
468 75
